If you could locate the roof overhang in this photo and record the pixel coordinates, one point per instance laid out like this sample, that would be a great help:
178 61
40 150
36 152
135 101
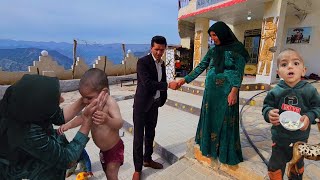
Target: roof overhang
230 11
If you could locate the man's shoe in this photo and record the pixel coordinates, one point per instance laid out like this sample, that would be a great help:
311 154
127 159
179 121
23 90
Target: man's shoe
136 175
153 164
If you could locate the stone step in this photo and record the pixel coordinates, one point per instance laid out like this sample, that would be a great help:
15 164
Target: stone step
246 170
244 95
244 86
184 101
196 87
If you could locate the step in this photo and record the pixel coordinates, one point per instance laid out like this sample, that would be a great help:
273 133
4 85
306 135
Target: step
245 86
184 101
196 90
189 169
252 167
256 170
244 95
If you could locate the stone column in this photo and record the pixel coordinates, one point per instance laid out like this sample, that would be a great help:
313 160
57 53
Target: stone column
271 36
170 70
200 40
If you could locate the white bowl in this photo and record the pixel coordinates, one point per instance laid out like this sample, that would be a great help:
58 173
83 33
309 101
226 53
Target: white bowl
291 120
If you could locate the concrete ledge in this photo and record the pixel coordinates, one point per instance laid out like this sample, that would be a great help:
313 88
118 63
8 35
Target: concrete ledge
244 87
246 170
184 107
69 85
73 84
65 86
196 91
192 90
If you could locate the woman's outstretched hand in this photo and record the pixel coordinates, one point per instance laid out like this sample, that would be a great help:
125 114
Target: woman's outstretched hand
173 85
181 82
176 84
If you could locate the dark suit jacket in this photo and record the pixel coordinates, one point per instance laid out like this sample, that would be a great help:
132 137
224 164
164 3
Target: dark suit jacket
148 84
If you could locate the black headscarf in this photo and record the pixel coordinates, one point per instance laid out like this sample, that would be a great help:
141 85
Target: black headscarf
229 42
33 99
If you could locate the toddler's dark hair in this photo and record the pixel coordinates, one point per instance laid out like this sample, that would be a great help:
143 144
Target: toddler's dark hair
95 78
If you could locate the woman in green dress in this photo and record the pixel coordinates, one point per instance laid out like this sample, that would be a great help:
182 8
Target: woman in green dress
30 147
218 128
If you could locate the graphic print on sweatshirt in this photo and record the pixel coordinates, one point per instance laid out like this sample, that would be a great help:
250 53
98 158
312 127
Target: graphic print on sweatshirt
290 104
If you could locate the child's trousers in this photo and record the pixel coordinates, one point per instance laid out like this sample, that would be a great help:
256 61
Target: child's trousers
281 154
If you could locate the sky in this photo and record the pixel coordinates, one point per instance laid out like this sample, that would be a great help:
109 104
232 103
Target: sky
97 21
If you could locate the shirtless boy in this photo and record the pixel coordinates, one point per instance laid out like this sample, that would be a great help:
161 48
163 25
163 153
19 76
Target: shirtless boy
106 122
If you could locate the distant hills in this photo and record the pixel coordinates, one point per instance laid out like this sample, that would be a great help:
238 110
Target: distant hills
18 55
20 58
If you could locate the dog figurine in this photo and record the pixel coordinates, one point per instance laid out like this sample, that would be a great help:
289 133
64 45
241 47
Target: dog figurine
303 150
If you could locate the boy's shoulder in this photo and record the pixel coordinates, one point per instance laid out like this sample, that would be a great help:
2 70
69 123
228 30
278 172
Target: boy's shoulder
110 102
307 86
277 87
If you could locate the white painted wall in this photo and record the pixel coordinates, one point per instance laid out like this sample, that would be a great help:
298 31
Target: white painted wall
310 52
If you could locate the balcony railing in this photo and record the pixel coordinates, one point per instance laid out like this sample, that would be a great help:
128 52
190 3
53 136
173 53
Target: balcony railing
183 3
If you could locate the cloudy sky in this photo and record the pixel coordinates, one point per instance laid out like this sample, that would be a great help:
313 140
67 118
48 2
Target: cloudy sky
99 21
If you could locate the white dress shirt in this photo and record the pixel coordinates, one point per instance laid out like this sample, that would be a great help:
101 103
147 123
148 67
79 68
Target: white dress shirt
159 70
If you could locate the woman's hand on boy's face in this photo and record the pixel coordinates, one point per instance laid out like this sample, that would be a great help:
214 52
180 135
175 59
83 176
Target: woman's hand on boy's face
90 109
102 99
305 121
274 117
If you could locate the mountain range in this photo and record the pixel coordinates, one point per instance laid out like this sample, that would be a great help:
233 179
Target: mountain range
19 59
18 55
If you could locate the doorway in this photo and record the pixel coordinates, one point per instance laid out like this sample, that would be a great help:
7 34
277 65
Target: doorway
252 44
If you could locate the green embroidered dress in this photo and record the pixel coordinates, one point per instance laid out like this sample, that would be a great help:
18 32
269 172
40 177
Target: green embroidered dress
218 128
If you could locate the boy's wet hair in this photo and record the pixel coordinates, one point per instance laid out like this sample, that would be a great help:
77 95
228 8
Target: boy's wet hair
95 78
288 50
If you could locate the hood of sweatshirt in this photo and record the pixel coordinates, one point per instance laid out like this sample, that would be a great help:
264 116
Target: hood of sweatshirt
284 85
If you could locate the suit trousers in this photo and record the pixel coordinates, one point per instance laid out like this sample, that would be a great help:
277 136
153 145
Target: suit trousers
144 125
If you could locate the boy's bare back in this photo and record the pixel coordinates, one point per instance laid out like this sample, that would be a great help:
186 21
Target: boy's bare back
105 134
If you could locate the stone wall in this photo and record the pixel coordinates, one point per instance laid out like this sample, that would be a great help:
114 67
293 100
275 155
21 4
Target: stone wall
49 67
129 65
10 77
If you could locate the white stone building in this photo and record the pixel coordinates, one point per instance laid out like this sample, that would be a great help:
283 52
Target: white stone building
265 27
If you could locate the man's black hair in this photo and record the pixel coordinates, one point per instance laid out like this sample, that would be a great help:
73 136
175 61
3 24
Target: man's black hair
158 40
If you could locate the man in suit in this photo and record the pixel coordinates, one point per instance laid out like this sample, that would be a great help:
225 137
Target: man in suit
151 94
